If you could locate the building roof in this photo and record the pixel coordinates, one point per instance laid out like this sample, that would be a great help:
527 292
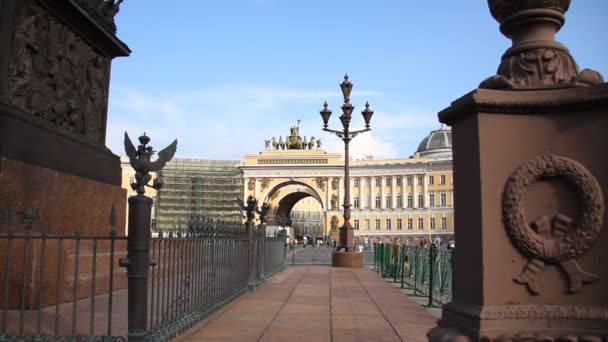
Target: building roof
436 145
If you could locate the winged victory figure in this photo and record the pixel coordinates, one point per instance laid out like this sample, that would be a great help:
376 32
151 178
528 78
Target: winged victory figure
141 163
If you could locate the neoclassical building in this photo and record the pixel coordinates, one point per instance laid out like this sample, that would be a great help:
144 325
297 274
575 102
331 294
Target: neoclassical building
410 198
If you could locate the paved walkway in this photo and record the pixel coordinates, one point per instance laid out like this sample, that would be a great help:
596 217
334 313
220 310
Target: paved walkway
320 304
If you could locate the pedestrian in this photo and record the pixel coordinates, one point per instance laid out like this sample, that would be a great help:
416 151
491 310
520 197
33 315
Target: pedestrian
406 266
451 244
395 251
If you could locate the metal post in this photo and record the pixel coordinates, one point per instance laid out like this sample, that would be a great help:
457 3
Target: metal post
138 263
251 253
346 232
262 228
432 257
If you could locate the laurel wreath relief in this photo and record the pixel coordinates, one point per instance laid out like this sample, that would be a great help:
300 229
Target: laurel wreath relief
559 240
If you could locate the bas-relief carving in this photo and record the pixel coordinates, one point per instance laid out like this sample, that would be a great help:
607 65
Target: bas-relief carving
56 75
334 202
535 60
264 182
521 312
334 183
291 161
320 182
251 184
540 67
559 241
104 11
443 334
334 223
532 311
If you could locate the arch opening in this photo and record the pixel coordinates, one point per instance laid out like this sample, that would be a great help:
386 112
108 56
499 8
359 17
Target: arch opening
299 206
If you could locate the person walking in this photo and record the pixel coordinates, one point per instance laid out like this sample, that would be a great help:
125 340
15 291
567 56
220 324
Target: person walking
395 253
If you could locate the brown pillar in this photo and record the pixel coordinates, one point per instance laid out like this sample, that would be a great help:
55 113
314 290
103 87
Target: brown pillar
530 179
53 124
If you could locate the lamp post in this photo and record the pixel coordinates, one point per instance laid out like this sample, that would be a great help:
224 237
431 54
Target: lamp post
346 232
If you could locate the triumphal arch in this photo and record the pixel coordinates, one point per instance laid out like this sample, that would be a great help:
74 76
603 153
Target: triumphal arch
410 198
292 168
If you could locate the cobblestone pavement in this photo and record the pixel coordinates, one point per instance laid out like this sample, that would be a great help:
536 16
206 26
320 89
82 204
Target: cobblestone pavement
319 304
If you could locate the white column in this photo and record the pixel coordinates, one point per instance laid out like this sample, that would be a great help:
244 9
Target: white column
328 190
382 193
415 191
393 192
340 192
352 191
361 192
403 193
246 180
371 192
425 191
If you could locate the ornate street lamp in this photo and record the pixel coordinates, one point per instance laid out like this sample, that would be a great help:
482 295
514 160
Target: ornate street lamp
346 235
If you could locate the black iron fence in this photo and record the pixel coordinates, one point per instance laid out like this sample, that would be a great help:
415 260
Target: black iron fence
60 286
425 271
72 286
275 252
195 274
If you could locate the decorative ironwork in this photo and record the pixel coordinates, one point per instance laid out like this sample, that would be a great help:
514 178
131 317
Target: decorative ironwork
263 212
141 163
248 209
197 271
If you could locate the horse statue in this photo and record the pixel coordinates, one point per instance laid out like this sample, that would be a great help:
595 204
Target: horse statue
304 143
266 144
311 143
281 143
318 144
275 144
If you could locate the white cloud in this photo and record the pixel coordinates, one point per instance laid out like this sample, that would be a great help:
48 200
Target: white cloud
226 122
362 145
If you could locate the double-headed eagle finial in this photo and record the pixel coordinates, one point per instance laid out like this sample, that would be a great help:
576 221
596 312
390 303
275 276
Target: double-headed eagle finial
141 163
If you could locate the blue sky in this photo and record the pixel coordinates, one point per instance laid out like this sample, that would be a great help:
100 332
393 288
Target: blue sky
222 76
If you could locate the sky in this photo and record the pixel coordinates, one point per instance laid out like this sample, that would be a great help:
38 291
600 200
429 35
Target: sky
222 76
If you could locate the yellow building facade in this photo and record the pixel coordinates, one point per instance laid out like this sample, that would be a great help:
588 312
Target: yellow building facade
410 198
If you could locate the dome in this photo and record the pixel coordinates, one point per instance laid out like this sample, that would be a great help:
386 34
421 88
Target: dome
436 145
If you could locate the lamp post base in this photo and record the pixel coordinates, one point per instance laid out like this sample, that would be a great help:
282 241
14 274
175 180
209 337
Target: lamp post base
347 259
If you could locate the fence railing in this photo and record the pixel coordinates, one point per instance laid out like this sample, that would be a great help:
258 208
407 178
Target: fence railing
195 274
275 253
60 286
72 286
425 271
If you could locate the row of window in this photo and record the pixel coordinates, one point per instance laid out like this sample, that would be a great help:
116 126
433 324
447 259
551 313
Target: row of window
410 224
410 200
310 215
410 181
